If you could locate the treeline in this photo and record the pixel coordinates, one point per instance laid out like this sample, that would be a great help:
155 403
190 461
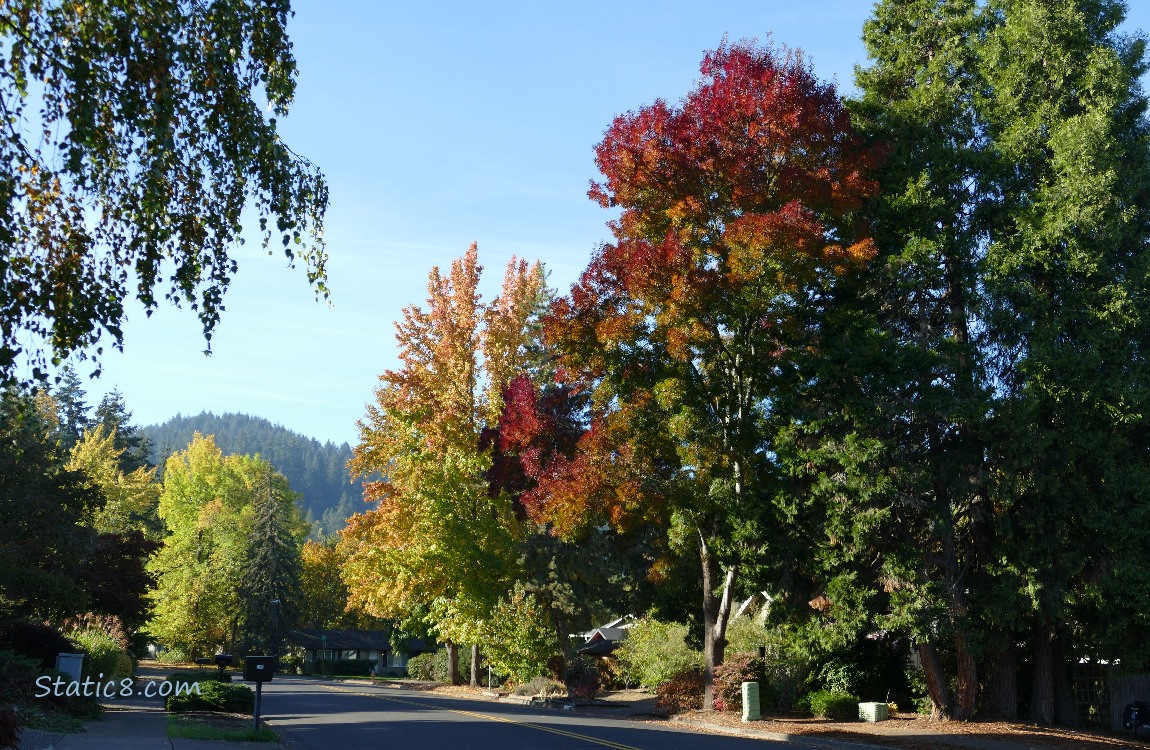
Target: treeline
317 471
883 358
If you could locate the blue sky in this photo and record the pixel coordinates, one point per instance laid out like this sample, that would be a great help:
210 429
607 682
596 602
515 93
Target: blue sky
439 124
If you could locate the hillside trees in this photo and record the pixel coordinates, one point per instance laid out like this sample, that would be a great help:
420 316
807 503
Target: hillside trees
133 139
736 211
437 539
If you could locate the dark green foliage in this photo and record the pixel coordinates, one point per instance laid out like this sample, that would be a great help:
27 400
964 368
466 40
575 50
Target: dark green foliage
214 696
271 576
350 667
112 414
41 545
828 704
35 641
422 667
317 471
682 692
581 676
870 669
115 579
17 677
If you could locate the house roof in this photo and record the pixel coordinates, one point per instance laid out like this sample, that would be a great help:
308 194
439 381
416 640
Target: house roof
370 640
598 647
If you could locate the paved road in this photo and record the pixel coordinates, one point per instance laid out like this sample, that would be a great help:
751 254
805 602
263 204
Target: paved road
321 716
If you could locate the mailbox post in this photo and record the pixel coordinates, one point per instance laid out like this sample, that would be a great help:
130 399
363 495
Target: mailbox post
259 669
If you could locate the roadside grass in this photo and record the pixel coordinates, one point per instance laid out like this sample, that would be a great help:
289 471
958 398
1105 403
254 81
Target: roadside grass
217 727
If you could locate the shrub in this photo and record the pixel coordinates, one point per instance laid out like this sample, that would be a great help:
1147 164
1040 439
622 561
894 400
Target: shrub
682 692
36 641
350 667
291 664
212 675
581 676
543 687
785 665
653 652
17 677
215 696
422 667
730 676
103 655
828 704
518 637
172 656
9 728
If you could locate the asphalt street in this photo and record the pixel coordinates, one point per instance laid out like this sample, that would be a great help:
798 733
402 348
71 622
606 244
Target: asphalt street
311 715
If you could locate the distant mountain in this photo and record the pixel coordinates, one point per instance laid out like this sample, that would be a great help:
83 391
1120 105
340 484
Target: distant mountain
318 471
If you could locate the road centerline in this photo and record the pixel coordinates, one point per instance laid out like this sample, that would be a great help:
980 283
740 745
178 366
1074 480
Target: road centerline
488 717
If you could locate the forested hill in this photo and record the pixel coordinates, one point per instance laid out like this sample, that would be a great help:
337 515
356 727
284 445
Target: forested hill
318 471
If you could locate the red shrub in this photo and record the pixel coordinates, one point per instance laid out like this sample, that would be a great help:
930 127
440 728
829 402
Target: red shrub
683 692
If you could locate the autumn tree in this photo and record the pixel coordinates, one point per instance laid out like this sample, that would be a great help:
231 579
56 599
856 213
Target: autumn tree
436 538
209 506
134 137
735 216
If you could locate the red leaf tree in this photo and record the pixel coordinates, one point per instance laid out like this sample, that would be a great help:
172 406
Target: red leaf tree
736 218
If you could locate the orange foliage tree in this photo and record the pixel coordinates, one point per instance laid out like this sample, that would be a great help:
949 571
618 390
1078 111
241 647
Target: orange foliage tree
736 219
436 539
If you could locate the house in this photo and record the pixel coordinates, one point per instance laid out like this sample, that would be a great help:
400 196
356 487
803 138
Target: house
603 640
360 645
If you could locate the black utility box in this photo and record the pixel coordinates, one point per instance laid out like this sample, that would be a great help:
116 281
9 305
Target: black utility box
260 668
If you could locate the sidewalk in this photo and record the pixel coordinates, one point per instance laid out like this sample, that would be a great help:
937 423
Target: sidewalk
128 728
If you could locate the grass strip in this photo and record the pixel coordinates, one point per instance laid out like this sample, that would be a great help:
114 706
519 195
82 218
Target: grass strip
192 728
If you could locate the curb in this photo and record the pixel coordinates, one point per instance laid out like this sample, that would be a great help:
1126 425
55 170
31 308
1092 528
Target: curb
801 739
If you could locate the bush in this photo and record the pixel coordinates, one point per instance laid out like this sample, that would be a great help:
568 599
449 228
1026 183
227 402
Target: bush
173 656
653 652
871 669
422 667
828 704
17 677
785 665
208 675
291 664
581 676
518 636
682 692
103 655
732 673
433 666
543 687
350 667
215 696
35 641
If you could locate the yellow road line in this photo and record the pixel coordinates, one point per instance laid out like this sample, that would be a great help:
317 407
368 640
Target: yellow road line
473 714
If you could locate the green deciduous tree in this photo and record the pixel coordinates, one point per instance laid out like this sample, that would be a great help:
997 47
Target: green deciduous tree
209 505
131 139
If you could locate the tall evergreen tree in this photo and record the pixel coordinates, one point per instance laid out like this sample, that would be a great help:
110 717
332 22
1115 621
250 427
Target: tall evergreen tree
113 415
990 396
271 577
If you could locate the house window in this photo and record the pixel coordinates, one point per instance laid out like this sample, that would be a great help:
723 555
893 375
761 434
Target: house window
324 655
350 654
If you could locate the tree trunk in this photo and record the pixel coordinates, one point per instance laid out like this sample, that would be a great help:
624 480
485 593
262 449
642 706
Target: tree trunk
1000 700
967 679
452 663
716 613
935 682
475 665
1042 687
1065 707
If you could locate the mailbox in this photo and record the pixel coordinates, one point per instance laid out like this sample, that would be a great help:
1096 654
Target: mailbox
223 660
260 668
